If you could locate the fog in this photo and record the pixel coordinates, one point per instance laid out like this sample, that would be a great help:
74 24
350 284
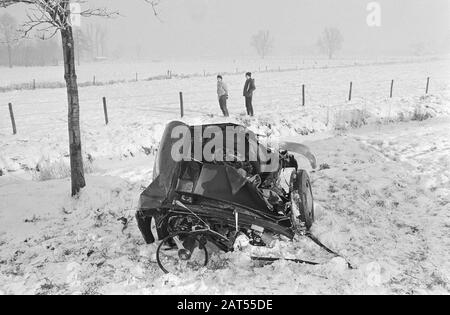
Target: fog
219 28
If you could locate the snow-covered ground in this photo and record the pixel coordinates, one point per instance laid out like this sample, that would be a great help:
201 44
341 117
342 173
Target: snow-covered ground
126 71
382 192
384 204
138 111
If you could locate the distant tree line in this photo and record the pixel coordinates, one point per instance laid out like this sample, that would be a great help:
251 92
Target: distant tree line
262 42
91 41
31 53
329 42
15 50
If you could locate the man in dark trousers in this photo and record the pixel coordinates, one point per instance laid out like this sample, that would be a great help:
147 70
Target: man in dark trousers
249 88
222 93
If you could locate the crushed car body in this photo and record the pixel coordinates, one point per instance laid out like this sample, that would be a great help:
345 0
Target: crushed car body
213 183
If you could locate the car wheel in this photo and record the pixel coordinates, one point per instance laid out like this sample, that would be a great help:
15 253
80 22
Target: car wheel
182 251
302 201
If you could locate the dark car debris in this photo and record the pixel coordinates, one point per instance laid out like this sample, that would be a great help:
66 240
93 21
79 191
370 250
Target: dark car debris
201 200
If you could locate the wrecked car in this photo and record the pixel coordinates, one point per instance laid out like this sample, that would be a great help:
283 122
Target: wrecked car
218 184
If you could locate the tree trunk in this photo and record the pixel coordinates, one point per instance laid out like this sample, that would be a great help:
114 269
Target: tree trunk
76 157
78 48
10 56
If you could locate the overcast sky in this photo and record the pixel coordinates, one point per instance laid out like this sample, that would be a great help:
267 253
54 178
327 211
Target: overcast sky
224 27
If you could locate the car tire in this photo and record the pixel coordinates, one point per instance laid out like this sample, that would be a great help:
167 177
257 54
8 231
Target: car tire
302 201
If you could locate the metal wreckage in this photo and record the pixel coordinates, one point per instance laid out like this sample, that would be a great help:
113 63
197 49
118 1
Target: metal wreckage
223 200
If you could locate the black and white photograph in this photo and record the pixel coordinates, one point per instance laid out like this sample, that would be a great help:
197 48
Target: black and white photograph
224 153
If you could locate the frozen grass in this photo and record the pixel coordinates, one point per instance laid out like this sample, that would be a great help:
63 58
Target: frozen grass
347 119
421 114
49 169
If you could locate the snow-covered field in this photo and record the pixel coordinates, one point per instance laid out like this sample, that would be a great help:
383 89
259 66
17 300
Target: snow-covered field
382 193
138 111
126 71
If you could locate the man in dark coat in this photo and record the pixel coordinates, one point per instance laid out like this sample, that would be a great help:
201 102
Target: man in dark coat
249 88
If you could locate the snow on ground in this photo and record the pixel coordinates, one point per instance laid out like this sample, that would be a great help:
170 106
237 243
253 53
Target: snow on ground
383 202
126 71
138 111
392 183
382 191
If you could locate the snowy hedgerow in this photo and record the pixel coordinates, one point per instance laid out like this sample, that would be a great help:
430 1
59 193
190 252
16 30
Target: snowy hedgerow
48 169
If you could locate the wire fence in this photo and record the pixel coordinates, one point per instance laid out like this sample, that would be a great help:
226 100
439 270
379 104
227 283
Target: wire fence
96 75
280 95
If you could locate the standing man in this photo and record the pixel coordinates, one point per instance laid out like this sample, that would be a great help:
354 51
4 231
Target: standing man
249 88
222 93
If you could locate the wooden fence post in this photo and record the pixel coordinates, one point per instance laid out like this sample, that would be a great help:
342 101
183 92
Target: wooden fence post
34 84
105 110
428 85
181 105
303 95
13 121
392 88
350 92
328 115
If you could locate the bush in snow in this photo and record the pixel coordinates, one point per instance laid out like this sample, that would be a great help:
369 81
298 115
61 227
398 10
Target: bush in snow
354 118
48 169
421 114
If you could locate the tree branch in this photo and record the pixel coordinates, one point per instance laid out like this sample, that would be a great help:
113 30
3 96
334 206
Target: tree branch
55 14
154 4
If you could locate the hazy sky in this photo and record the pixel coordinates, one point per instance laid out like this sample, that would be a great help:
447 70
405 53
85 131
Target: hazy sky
224 27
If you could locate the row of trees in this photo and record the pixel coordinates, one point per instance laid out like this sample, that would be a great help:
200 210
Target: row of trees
329 42
50 17
29 53
9 35
91 43
15 50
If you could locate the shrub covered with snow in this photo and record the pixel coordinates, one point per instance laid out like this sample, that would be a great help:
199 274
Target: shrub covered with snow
48 169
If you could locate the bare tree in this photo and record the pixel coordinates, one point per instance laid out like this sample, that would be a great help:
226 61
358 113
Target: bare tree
101 35
263 43
45 52
35 52
8 34
138 49
82 43
330 41
48 17
96 35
